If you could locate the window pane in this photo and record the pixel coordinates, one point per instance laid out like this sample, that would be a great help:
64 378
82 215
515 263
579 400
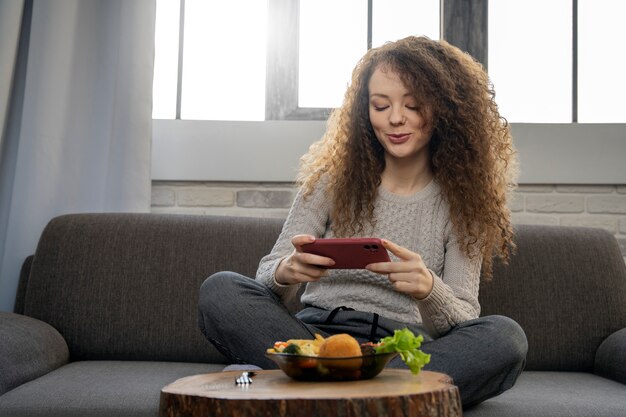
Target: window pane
224 60
397 19
530 59
601 61
165 59
333 37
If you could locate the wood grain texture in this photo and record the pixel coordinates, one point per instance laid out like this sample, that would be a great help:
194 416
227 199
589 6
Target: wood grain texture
393 393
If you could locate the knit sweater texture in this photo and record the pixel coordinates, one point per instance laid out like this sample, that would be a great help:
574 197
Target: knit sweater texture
419 222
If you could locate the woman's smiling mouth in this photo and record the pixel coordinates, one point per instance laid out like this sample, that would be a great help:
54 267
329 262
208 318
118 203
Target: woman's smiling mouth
398 138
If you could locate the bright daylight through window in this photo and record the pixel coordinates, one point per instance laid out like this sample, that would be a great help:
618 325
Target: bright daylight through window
223 66
601 61
328 56
531 55
530 59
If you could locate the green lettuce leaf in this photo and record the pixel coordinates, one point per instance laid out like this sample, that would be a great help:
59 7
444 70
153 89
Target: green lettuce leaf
408 346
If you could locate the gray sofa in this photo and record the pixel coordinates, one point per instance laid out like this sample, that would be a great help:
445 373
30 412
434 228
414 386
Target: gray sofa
106 315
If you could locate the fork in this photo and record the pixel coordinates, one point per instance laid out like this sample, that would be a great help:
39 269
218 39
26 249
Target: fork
245 378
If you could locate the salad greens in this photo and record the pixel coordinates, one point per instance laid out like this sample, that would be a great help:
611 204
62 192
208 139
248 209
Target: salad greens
408 346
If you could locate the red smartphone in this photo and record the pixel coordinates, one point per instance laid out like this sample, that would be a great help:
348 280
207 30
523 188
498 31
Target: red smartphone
349 253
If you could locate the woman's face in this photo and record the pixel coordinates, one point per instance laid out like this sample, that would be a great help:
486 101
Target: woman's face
398 123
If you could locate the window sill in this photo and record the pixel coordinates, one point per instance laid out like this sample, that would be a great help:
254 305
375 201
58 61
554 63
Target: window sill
268 151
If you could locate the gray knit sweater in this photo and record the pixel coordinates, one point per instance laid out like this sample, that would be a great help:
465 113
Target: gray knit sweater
420 223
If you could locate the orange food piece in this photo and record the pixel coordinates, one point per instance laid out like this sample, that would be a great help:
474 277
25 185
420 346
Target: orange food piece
340 346
279 345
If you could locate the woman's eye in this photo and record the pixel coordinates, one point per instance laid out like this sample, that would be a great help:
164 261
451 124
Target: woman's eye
380 108
414 108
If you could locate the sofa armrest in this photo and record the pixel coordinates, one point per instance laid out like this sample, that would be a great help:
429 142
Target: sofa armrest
611 357
29 348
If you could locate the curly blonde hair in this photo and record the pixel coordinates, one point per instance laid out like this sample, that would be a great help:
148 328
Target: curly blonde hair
471 151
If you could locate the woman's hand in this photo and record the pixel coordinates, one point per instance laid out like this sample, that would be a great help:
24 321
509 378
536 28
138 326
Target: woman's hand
409 275
300 266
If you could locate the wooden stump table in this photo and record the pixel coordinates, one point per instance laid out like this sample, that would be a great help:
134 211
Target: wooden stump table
394 392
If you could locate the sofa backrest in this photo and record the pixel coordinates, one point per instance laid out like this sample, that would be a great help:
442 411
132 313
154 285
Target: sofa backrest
566 287
125 286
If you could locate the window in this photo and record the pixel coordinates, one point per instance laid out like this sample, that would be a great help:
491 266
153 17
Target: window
213 66
223 71
214 69
267 146
396 19
530 59
601 61
327 56
557 61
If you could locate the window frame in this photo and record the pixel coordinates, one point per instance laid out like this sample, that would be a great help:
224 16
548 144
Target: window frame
281 84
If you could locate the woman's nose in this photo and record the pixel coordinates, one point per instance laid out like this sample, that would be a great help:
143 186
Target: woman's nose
397 117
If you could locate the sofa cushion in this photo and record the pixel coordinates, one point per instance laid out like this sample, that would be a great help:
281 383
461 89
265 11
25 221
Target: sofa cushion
29 348
98 388
556 394
566 287
122 286
611 357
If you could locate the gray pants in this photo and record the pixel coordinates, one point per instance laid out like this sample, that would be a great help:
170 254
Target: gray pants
242 318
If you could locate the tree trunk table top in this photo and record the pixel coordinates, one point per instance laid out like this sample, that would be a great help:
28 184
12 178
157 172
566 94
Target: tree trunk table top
394 392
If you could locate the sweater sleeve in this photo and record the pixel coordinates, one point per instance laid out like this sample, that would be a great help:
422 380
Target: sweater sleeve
454 297
308 215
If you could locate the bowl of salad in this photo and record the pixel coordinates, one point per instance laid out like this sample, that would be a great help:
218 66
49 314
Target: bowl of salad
341 358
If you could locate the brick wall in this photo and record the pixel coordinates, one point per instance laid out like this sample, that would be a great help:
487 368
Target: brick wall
223 198
602 206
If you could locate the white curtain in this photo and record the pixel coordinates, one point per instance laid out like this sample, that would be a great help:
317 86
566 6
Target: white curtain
76 116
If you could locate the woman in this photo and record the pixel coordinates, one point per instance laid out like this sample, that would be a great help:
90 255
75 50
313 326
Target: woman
419 156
